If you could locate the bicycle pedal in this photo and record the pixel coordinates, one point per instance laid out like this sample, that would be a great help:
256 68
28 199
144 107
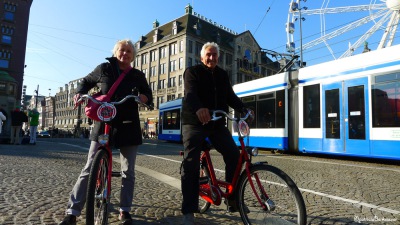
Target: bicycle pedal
116 174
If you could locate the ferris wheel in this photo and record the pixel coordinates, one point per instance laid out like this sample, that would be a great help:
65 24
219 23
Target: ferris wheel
377 17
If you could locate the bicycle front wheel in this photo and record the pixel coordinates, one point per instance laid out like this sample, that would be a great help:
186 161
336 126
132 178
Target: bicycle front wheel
97 198
275 198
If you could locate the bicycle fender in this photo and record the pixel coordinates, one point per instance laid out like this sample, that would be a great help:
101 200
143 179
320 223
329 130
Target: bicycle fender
260 163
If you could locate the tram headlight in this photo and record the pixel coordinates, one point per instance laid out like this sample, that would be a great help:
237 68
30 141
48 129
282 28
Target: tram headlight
103 139
254 152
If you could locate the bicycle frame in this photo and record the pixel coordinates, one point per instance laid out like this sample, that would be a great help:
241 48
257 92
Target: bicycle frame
97 191
213 193
110 174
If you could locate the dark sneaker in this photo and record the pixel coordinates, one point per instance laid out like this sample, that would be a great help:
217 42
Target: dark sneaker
125 218
69 220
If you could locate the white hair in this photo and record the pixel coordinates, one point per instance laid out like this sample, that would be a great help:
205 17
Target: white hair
125 41
209 45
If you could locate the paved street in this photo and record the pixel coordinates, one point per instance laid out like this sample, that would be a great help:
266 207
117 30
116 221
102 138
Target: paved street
36 181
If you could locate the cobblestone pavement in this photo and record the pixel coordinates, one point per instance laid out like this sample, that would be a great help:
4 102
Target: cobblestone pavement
35 182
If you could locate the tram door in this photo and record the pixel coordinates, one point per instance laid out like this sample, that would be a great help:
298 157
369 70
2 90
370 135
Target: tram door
345 117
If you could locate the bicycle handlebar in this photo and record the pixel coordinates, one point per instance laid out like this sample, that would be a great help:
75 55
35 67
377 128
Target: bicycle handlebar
215 117
137 100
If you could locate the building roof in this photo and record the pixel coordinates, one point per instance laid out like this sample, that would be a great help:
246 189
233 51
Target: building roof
192 25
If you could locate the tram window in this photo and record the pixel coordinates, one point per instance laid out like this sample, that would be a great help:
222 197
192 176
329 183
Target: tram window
266 113
171 120
250 102
311 106
280 109
356 112
386 104
332 114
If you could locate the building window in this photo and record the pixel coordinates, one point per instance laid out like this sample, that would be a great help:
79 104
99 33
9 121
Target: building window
145 73
172 66
198 48
6 39
190 62
137 61
181 63
144 59
180 80
190 46
153 55
181 46
171 82
173 48
161 84
162 68
163 52
9 16
4 63
153 71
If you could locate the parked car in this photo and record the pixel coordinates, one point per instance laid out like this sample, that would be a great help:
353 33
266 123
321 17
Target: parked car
44 134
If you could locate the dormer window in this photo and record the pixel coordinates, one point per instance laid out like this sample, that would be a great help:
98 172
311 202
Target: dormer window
156 35
174 28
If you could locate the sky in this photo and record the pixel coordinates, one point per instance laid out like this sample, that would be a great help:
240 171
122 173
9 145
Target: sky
68 39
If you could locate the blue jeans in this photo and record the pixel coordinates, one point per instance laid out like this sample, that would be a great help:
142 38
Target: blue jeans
128 159
193 139
32 133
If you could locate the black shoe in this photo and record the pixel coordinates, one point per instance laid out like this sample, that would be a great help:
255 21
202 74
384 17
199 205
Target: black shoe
69 220
125 218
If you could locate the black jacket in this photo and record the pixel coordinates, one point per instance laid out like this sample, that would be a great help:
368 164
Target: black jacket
18 118
124 133
207 89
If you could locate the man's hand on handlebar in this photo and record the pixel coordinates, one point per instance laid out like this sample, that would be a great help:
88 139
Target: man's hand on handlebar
204 115
77 97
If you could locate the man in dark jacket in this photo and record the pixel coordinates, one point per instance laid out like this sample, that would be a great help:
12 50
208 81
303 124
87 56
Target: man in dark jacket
207 87
17 119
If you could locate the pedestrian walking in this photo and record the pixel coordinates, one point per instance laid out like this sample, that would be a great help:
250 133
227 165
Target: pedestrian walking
33 124
17 119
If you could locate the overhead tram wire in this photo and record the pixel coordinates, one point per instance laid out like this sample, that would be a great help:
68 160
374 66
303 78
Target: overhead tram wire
72 42
269 8
76 32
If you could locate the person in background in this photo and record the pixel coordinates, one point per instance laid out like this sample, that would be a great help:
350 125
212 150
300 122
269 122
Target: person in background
126 131
33 124
2 118
17 119
207 87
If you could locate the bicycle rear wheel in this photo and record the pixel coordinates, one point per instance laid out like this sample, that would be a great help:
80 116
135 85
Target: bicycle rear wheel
281 200
204 183
97 198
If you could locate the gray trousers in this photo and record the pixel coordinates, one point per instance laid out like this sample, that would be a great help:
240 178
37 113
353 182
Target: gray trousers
77 198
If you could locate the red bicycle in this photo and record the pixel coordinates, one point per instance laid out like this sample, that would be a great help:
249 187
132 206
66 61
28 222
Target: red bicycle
264 194
99 183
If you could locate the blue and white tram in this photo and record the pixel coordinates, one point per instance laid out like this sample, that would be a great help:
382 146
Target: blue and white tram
268 98
170 121
349 106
